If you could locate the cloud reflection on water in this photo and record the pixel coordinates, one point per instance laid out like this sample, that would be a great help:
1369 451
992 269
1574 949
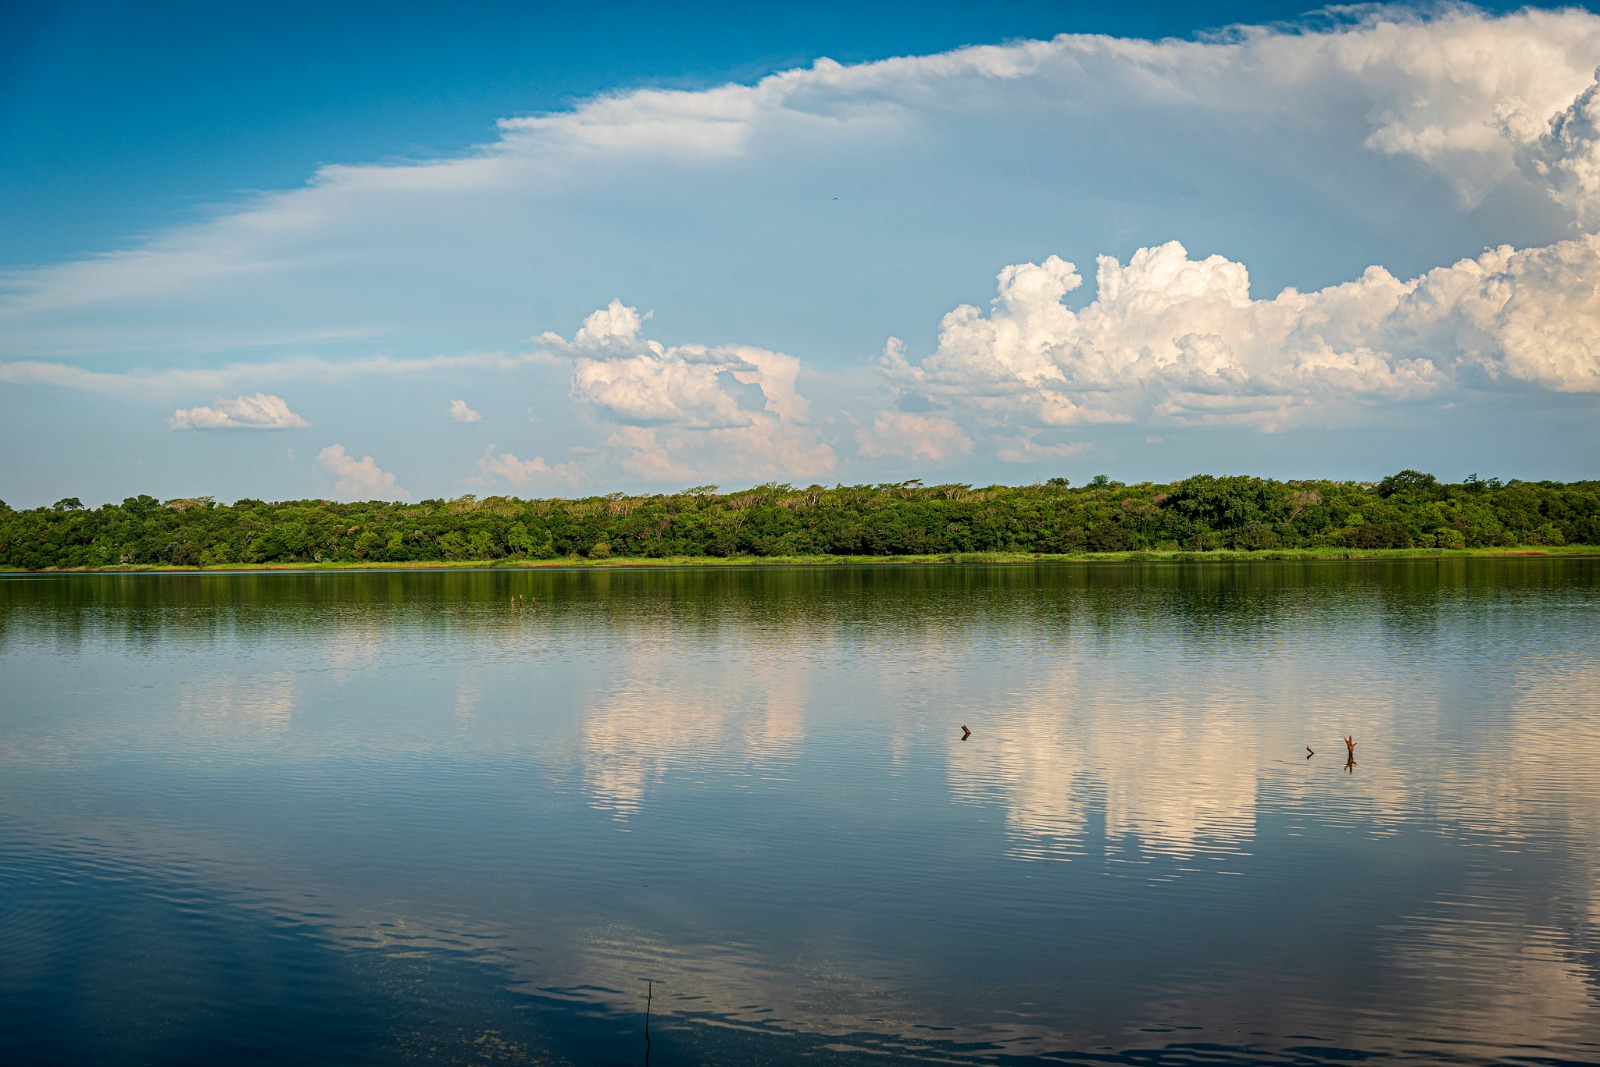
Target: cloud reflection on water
1524 983
454 780
1172 778
237 706
667 713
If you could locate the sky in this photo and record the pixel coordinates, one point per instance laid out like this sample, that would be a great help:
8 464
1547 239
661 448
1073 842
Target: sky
407 251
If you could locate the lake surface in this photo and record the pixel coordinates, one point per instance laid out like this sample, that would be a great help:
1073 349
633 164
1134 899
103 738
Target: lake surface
352 818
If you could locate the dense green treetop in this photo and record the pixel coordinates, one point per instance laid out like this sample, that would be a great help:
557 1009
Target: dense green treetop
1202 513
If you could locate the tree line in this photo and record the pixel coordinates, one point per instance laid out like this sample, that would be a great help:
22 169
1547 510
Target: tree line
1200 514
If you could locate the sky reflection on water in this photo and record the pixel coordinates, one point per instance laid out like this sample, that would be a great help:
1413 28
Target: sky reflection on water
376 817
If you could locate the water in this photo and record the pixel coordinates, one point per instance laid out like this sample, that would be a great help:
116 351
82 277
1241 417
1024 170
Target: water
387 818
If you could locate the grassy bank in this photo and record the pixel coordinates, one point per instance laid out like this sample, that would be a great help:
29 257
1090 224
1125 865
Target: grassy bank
1145 556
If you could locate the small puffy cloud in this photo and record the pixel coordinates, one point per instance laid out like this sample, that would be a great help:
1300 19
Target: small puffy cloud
642 383
461 413
1171 339
523 474
614 326
909 435
690 410
259 412
359 478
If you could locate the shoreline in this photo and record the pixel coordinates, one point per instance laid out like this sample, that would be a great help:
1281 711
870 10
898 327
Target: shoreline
943 559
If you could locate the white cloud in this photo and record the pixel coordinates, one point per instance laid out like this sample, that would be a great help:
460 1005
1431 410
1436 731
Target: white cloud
1026 448
642 454
525 474
461 413
691 410
1175 339
259 412
643 383
1566 156
359 478
615 327
907 435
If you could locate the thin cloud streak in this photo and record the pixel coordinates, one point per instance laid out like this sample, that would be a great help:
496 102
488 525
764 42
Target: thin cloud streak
144 382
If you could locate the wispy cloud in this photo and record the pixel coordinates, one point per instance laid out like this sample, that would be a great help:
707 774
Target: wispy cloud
145 382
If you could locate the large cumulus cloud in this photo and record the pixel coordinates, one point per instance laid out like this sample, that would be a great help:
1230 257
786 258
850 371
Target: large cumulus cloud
1171 339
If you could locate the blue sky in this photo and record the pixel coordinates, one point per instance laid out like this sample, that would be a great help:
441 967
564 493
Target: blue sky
403 250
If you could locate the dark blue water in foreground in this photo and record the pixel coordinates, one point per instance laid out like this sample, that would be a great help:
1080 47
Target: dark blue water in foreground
391 818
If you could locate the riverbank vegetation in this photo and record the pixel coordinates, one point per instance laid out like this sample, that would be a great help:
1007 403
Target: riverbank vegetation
1203 516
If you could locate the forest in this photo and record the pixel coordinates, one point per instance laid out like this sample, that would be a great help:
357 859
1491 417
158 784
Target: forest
1200 514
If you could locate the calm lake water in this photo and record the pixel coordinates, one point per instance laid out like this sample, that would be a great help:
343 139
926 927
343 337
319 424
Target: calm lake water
348 818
